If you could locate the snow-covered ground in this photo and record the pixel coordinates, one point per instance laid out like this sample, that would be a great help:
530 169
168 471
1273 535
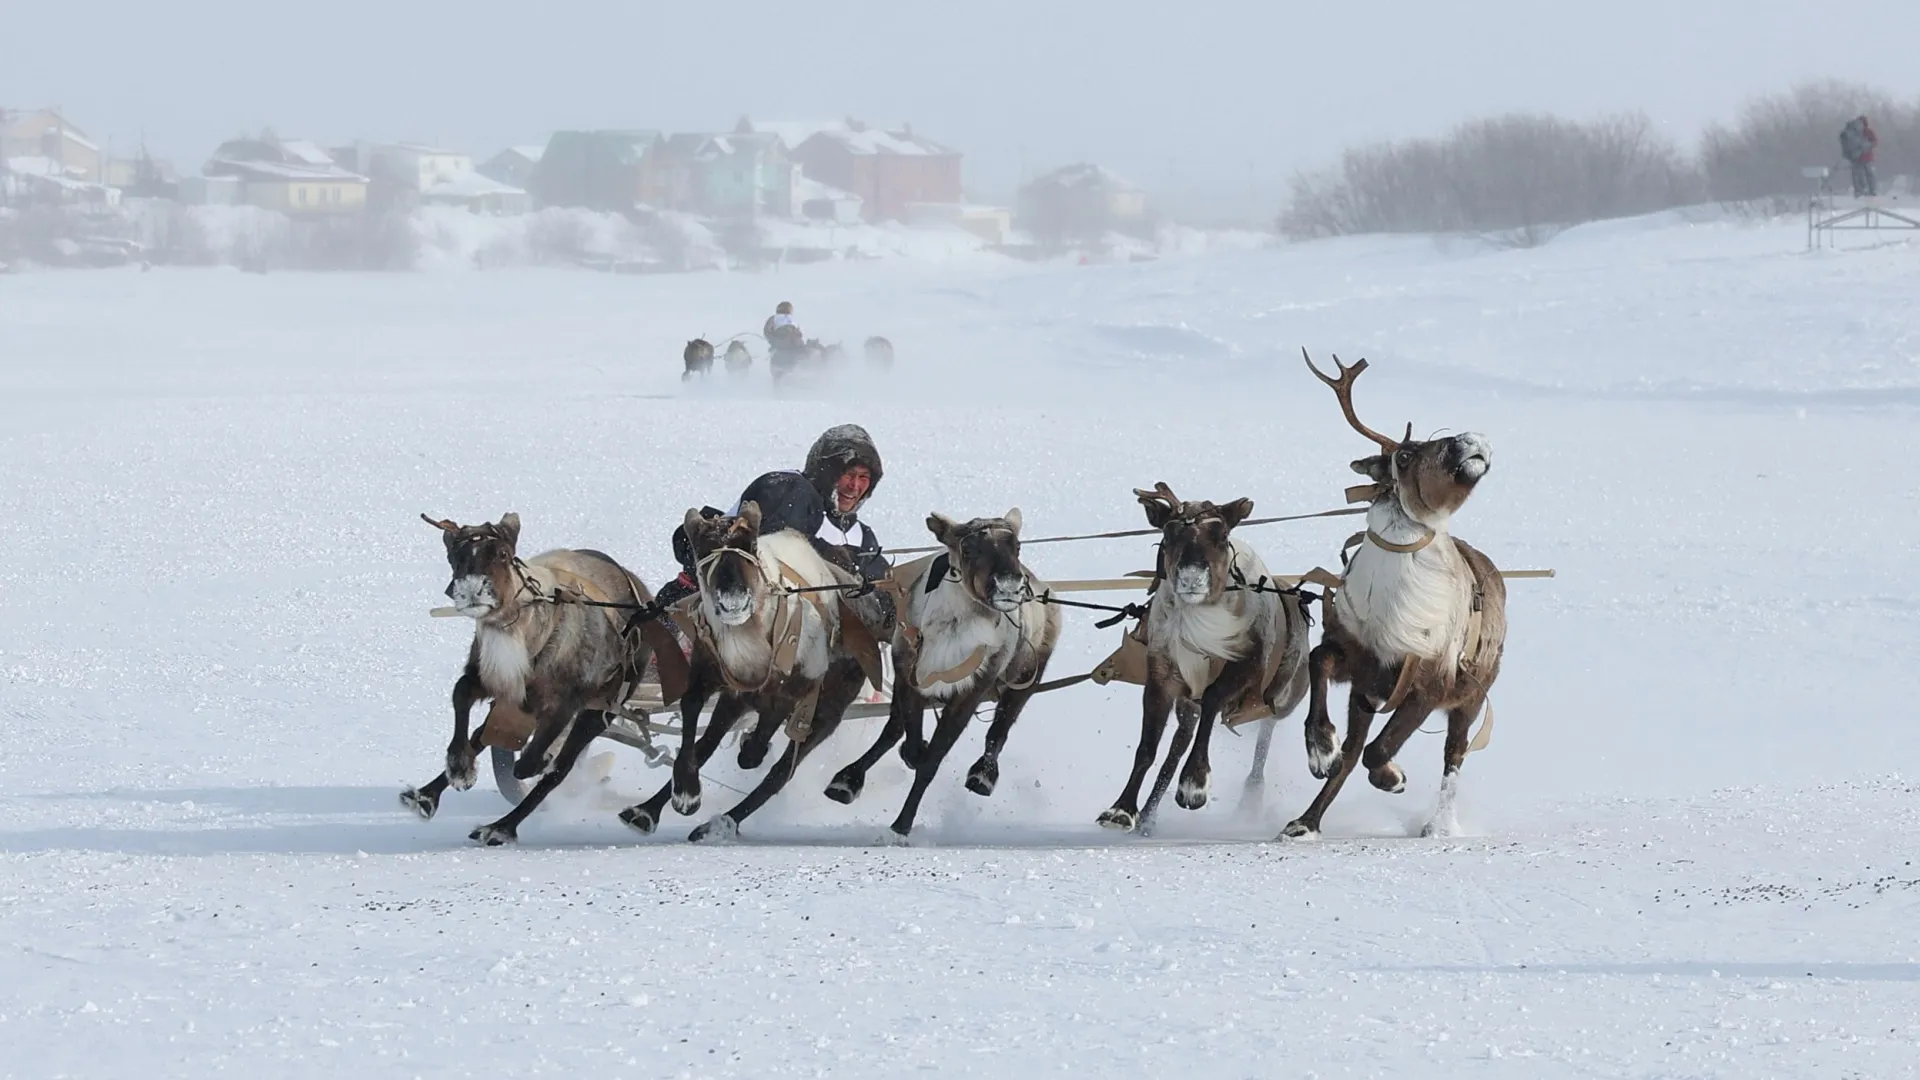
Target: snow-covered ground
1692 836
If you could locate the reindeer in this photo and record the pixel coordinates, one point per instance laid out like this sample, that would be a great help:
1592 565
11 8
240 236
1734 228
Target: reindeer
699 358
738 359
879 352
1217 635
539 653
973 628
1420 623
763 648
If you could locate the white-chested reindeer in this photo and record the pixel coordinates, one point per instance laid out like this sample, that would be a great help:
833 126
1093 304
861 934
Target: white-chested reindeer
1420 623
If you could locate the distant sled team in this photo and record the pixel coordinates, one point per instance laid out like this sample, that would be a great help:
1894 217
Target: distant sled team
789 351
788 613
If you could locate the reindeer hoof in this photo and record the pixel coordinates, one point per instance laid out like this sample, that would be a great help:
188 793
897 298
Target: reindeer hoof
752 753
424 805
1388 778
1323 764
686 803
528 766
719 829
846 787
461 772
1191 795
641 819
493 836
1117 819
1300 830
911 754
983 777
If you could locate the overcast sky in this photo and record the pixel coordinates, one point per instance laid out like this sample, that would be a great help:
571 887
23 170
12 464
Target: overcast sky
1201 100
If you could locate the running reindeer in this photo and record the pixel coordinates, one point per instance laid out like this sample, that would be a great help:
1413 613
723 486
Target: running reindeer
1420 623
763 647
973 629
1220 637
698 356
737 359
539 654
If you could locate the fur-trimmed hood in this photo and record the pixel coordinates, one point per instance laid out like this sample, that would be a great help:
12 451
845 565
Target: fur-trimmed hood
837 449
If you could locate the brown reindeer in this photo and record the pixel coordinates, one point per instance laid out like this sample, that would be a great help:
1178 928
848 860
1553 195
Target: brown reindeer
974 629
1218 635
538 653
761 647
1420 623
698 356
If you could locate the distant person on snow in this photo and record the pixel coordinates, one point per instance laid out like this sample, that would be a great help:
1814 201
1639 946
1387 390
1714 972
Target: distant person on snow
781 331
1857 141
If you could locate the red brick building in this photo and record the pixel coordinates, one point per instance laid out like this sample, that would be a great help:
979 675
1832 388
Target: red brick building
888 170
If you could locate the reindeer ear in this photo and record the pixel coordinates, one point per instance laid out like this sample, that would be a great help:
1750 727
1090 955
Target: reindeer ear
510 528
1012 517
1236 511
1374 468
941 526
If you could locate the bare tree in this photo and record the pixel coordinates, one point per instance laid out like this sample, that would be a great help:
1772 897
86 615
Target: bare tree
1759 157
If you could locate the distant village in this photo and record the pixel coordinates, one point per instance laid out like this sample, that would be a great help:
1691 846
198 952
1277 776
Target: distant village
842 173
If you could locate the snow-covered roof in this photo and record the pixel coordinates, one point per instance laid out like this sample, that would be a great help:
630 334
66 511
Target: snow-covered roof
306 152
795 132
36 166
277 170
531 153
1086 175
468 185
874 141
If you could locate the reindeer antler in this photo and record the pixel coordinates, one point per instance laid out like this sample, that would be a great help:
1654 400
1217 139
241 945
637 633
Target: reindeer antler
1343 389
1160 493
443 524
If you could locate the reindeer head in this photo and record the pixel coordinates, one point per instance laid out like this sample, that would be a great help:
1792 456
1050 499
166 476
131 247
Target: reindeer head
732 584
1430 479
985 552
1196 552
481 557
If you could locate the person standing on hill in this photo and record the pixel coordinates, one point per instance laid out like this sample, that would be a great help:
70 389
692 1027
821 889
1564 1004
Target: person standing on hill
1857 143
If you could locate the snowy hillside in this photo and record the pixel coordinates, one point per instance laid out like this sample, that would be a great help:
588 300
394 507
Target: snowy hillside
1692 833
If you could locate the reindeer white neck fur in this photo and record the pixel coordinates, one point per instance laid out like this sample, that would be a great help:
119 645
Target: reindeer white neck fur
746 650
1198 633
953 625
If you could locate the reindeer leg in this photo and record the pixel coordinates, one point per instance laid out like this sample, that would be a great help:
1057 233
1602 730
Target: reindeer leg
850 781
837 692
1459 723
1327 662
533 757
587 726
1197 778
1155 703
1381 771
753 748
1187 718
1359 719
726 712
462 752
907 702
686 764
985 774
1253 792
954 717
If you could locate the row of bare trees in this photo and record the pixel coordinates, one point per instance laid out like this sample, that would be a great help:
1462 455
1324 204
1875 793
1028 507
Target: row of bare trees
1520 178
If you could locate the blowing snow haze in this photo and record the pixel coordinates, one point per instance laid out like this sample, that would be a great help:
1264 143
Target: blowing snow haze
1209 106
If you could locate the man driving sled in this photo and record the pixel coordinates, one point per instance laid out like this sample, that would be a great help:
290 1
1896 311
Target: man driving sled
821 501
